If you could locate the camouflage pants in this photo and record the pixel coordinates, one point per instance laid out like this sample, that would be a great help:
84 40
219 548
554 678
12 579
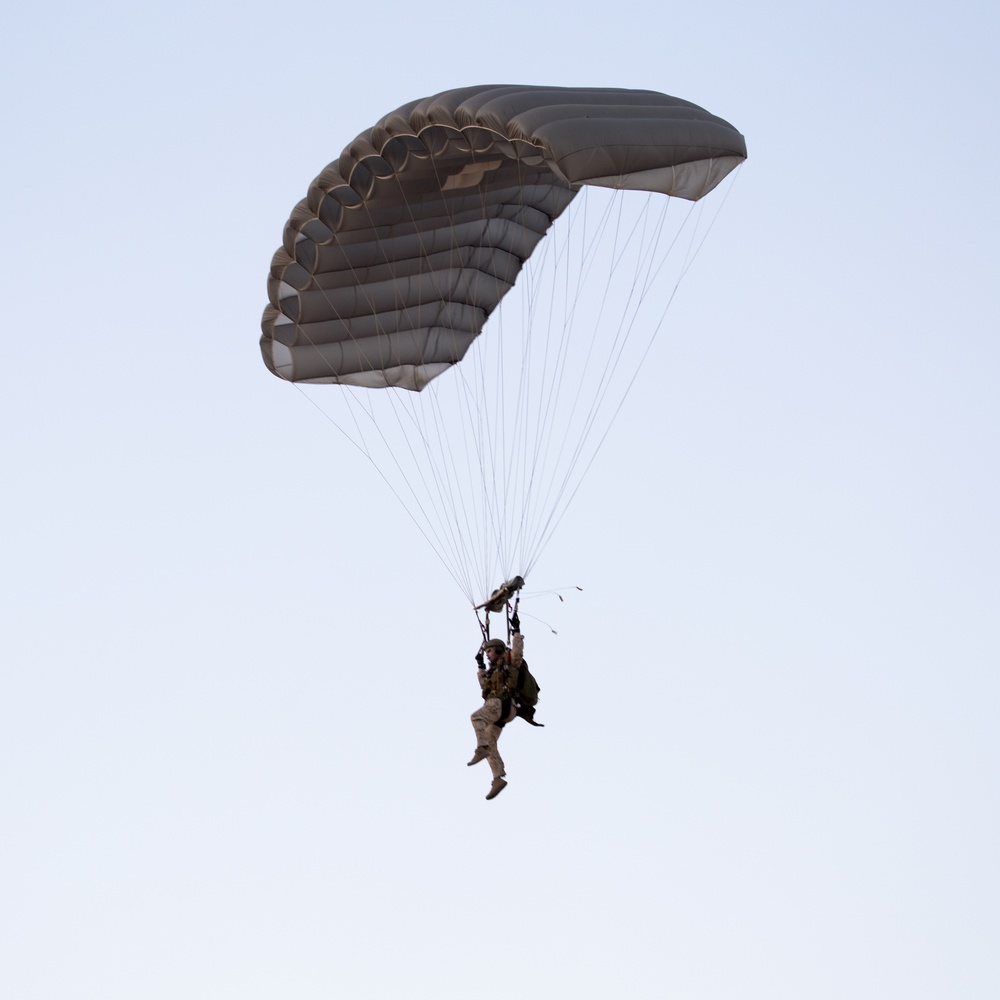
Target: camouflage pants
484 721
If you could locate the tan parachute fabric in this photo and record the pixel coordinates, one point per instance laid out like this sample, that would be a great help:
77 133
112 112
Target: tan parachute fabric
404 246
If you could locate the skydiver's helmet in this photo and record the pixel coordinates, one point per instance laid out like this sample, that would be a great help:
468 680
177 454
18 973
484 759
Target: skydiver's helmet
498 644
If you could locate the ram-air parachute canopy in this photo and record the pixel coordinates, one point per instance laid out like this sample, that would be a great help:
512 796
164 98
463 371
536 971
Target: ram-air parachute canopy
405 245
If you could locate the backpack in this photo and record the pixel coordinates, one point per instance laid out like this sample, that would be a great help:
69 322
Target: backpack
526 694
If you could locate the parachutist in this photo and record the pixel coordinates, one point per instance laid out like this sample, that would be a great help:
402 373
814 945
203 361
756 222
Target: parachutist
509 691
498 682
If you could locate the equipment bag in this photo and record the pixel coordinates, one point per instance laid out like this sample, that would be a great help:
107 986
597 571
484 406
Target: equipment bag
526 694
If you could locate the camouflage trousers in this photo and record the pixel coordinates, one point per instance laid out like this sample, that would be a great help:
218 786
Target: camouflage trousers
484 721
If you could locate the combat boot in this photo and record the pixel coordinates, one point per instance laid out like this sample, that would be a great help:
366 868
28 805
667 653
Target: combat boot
496 788
480 754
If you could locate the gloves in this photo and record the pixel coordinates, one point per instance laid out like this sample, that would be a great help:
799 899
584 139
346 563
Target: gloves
479 660
515 622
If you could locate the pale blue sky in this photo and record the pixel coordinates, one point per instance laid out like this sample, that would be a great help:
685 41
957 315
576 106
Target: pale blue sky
236 686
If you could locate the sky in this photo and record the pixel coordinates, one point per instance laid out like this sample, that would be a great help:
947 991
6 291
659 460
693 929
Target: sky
236 683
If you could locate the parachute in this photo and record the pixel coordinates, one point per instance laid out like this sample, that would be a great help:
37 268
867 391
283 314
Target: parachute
406 246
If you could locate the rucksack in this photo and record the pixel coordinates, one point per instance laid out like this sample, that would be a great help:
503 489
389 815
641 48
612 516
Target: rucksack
526 694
